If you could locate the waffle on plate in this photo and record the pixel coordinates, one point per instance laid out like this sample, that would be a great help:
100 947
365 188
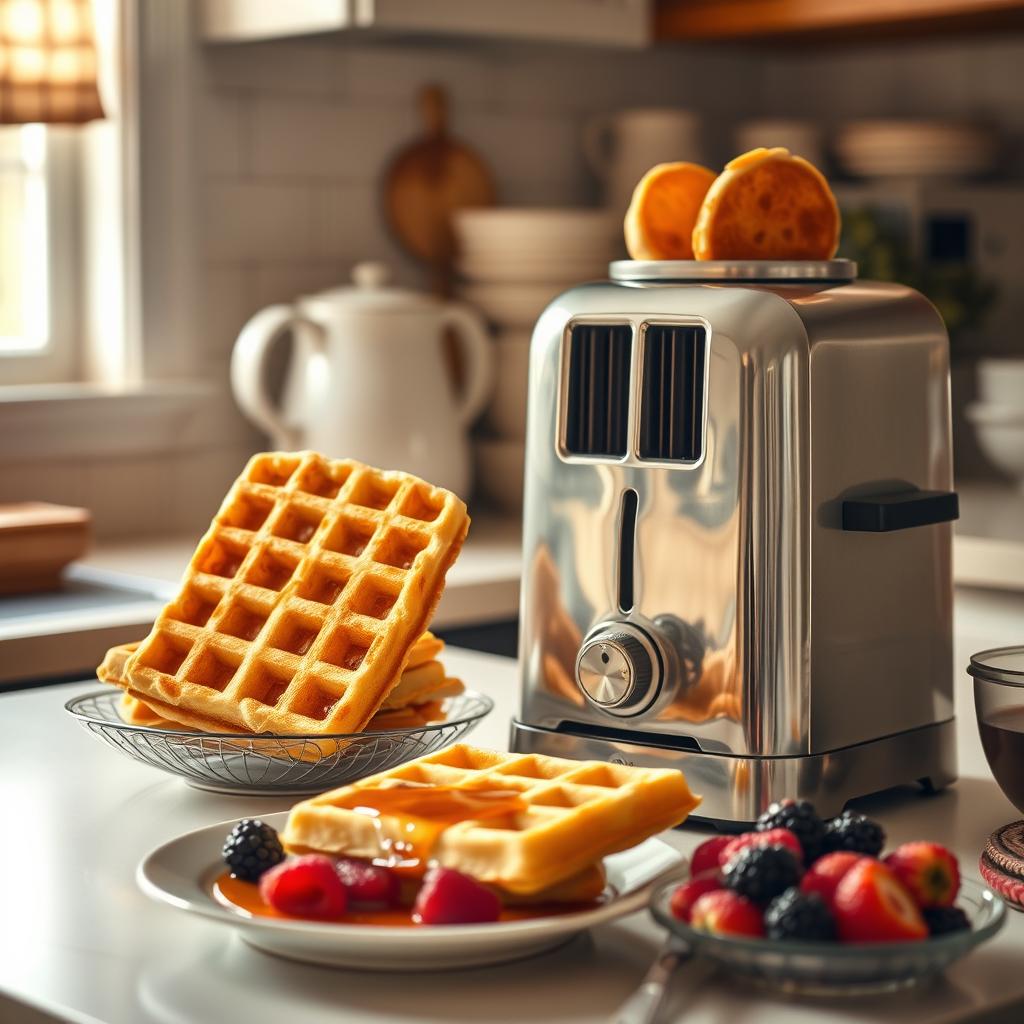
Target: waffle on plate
523 823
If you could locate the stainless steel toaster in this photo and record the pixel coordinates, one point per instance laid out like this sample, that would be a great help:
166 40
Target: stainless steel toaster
737 532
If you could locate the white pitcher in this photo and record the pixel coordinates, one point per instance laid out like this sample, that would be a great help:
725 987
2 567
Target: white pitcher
368 377
621 148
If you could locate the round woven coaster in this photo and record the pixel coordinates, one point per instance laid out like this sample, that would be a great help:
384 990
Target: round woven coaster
1002 863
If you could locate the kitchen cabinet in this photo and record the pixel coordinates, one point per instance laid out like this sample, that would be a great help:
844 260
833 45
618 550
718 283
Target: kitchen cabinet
619 23
614 23
751 19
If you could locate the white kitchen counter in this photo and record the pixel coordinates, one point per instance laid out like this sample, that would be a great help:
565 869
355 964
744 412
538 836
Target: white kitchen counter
988 542
79 938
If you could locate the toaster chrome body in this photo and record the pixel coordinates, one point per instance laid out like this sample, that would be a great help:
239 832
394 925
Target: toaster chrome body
737 532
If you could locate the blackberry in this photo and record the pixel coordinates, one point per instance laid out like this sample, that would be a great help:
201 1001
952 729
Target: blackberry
943 920
251 848
854 832
802 820
762 872
799 915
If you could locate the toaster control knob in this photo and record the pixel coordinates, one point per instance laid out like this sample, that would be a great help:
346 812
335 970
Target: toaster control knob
615 671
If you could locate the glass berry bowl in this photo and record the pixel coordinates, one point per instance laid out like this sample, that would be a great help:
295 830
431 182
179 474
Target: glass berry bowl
835 968
268 764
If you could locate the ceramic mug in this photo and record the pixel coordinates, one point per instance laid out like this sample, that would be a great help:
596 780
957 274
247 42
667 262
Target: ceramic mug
621 148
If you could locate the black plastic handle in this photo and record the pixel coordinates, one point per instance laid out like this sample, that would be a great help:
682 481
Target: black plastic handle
882 513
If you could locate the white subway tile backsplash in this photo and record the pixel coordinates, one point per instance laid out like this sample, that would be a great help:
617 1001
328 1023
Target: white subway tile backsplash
151 485
285 282
227 305
249 221
292 67
397 74
64 483
222 124
295 138
526 147
350 222
316 140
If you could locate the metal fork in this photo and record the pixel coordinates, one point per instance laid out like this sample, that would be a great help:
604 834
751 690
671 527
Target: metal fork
643 1005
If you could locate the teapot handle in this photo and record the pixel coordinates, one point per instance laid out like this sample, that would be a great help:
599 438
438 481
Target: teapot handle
478 359
248 360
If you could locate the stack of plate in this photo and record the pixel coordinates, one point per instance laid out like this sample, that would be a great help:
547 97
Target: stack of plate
514 262
538 246
881 149
998 415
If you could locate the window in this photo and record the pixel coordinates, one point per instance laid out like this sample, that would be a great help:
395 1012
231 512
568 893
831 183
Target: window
38 238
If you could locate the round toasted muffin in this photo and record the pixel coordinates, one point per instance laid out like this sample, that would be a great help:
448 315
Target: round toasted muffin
768 205
660 219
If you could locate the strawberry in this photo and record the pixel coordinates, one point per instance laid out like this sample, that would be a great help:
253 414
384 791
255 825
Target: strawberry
684 897
825 874
368 883
305 887
450 897
727 913
773 837
872 905
928 870
705 858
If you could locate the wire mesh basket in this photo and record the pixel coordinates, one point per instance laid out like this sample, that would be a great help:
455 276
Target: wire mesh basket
274 764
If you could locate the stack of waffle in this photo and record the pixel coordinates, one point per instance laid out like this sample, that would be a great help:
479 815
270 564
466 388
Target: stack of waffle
535 828
304 608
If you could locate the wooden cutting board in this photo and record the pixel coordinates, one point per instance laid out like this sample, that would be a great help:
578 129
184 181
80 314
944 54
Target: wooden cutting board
425 184
37 540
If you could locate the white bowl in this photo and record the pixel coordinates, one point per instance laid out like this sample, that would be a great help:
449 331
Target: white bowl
510 304
510 225
880 148
499 468
506 411
999 430
1001 382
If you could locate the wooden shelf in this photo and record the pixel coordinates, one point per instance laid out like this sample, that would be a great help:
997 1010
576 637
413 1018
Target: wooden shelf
752 19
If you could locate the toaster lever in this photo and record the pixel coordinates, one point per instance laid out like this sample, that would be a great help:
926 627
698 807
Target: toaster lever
899 510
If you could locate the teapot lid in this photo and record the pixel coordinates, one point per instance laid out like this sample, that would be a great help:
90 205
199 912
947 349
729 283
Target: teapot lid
370 291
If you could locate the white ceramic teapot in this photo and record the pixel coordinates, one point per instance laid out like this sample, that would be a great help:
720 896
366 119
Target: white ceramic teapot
368 377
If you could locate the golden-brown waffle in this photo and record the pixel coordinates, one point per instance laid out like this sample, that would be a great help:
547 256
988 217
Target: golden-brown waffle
301 603
420 703
549 818
418 684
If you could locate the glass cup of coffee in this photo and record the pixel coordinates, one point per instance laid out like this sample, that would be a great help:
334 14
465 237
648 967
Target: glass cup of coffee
999 702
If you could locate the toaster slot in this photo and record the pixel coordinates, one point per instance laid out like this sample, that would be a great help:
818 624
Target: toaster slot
671 427
597 390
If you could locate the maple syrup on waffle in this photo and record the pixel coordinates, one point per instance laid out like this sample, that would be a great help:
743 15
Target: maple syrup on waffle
417 815
410 818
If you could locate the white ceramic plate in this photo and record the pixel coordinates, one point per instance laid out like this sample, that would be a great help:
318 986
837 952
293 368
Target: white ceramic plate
182 871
